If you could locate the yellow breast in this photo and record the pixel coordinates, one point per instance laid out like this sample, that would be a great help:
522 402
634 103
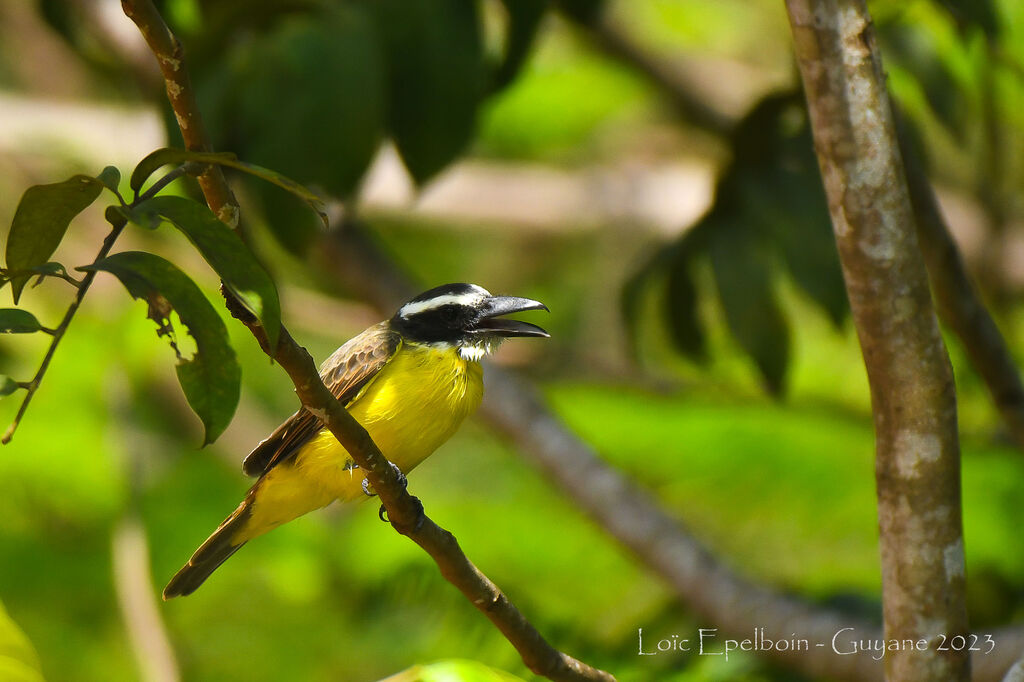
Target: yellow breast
409 409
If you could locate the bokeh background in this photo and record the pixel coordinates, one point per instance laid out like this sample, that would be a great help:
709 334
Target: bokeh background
646 171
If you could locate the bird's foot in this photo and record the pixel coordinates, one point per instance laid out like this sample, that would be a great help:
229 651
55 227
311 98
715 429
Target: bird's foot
402 480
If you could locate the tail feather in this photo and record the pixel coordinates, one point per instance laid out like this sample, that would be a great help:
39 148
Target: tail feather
211 554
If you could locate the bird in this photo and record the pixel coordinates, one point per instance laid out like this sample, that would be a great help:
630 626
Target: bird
410 381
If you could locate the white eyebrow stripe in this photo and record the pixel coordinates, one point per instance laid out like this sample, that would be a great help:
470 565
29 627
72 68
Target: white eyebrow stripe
469 298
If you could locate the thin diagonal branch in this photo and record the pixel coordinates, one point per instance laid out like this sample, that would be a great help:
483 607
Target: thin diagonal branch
959 304
62 328
404 511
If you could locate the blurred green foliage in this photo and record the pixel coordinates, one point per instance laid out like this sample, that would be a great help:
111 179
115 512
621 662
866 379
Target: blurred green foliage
784 491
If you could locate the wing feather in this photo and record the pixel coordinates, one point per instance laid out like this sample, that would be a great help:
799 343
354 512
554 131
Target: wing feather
348 371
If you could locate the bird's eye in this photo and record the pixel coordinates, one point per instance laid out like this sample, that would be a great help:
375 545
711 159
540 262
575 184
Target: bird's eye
450 315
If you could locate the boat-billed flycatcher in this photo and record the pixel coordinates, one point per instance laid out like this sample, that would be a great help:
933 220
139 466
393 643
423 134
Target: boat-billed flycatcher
410 381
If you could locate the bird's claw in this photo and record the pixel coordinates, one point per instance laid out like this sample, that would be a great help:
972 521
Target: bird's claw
402 481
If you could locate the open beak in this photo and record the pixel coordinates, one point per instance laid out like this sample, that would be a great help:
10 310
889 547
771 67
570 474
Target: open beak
496 306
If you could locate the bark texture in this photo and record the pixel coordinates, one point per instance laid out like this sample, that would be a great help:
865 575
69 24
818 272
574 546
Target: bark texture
913 397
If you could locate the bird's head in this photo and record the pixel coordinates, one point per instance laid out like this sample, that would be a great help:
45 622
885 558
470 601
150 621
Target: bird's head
464 316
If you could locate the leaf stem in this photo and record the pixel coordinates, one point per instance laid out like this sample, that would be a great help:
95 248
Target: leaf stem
58 333
160 184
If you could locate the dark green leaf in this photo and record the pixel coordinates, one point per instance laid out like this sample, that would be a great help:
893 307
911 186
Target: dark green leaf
742 270
227 255
17 321
110 178
307 97
295 230
583 11
7 385
436 78
211 380
774 189
974 13
524 18
918 52
42 219
681 312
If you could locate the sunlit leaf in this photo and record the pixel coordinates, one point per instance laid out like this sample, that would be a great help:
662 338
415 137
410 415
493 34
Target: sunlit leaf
18 659
228 255
435 78
18 321
42 219
170 156
211 379
453 671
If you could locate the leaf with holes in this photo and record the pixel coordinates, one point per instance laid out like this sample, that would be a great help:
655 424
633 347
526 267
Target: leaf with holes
229 257
42 219
211 380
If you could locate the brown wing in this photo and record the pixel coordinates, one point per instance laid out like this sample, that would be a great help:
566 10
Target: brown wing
346 372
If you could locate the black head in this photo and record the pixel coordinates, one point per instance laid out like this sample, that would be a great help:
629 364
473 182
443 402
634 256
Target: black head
464 315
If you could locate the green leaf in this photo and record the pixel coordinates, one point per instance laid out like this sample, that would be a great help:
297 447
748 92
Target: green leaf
524 19
681 311
743 275
229 257
632 297
7 385
18 659
981 14
110 178
435 78
307 97
17 321
42 219
583 11
211 380
171 156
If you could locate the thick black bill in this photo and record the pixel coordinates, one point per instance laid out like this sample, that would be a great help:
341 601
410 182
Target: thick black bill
505 305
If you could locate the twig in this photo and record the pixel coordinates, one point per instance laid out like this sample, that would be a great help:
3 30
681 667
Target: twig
912 391
58 333
404 511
